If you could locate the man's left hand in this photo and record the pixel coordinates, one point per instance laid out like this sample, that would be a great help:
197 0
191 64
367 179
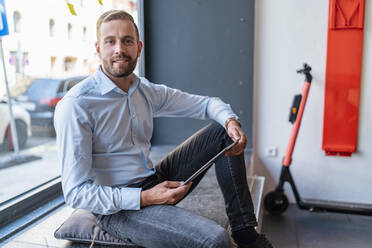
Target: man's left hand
236 134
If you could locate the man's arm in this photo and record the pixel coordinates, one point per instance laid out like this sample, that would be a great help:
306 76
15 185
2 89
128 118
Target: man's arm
171 102
74 142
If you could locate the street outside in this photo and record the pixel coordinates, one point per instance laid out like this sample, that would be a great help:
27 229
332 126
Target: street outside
19 178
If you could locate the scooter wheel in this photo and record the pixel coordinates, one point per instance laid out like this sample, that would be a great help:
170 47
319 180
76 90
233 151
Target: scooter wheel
276 202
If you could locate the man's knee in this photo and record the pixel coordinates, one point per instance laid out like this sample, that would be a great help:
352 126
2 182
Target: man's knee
217 238
218 129
217 126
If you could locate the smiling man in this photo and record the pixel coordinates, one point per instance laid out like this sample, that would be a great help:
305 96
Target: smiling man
104 126
112 39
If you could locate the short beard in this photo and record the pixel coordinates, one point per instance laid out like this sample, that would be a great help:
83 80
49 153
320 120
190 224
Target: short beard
121 72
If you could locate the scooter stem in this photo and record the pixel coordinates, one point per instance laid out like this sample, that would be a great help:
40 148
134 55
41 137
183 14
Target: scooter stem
296 126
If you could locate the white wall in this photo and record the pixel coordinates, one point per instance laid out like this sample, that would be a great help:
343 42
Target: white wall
288 33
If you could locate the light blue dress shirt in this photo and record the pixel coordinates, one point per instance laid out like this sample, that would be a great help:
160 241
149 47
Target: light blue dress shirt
103 137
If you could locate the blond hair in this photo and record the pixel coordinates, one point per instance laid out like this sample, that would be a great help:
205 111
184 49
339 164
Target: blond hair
114 15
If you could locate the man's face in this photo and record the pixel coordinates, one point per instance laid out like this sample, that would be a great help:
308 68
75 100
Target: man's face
118 48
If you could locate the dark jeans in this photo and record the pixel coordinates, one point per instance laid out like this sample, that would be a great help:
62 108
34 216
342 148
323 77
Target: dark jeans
171 226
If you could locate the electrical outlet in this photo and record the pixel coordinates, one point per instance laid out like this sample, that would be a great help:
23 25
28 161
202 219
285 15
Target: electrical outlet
271 151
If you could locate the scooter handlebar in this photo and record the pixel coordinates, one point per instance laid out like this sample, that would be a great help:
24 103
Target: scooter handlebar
306 70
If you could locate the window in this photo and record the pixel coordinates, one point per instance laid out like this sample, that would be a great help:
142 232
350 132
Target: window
35 74
51 27
84 33
69 63
83 3
17 22
14 61
18 60
69 31
52 62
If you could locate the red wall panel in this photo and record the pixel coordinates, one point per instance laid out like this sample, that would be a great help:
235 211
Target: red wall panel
343 73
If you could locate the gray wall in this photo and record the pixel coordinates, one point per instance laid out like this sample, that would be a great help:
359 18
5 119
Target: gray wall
203 47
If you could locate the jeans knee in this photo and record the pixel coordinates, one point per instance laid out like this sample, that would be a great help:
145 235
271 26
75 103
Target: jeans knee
220 130
217 126
218 239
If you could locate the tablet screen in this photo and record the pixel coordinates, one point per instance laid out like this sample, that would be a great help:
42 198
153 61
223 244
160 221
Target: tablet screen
208 164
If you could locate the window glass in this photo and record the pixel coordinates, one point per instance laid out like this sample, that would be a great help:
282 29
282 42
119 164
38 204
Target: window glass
69 31
84 33
83 3
47 52
51 27
17 22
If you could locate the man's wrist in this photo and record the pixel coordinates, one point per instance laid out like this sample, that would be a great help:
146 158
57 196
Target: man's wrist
232 119
143 199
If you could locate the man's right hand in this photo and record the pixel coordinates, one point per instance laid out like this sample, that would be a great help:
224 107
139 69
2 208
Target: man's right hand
167 192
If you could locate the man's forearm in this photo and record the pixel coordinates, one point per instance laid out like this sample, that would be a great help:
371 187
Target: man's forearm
102 199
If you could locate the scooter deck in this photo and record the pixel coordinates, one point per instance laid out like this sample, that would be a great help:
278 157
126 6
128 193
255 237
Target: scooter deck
336 206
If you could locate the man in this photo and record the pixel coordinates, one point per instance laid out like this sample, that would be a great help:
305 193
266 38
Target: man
104 126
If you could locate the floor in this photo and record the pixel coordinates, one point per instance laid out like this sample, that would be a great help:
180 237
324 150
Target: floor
303 229
294 229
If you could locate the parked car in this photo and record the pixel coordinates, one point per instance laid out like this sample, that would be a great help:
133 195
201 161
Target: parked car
22 121
42 96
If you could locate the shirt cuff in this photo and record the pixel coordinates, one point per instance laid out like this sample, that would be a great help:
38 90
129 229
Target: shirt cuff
224 117
131 198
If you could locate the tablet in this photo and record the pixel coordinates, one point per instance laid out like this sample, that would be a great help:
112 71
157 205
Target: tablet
207 165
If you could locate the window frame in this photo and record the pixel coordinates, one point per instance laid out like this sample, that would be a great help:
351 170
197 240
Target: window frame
141 27
25 209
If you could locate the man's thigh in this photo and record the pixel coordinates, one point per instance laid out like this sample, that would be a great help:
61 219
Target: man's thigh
165 226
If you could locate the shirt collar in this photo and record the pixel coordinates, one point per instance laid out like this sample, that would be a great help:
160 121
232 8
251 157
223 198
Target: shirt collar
106 85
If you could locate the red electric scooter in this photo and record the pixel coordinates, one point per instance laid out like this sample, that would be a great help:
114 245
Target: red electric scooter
276 202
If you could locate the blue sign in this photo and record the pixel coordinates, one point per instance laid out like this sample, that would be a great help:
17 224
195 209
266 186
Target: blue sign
3 22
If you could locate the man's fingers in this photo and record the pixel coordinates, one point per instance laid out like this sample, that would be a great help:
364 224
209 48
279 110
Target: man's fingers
188 185
175 184
183 188
171 184
239 147
178 193
235 135
242 142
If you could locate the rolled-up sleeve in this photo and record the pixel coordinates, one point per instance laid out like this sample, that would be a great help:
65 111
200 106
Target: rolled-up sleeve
74 142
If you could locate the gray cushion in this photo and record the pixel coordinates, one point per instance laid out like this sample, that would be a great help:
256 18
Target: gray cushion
81 227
